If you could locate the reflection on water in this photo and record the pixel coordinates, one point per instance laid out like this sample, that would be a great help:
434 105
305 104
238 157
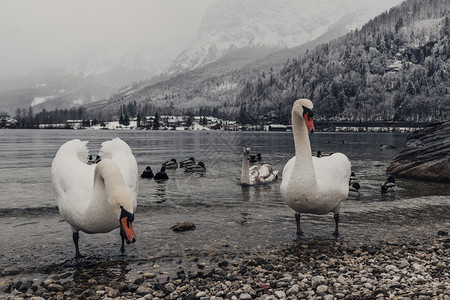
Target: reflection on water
229 218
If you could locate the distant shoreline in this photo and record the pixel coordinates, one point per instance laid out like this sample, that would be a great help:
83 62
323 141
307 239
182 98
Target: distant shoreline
320 126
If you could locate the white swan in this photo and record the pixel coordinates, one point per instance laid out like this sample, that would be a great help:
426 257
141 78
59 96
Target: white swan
310 184
96 198
257 174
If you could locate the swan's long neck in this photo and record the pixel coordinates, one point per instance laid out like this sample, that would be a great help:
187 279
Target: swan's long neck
303 167
109 188
245 175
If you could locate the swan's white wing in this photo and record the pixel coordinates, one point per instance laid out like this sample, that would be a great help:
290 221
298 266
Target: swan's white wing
287 171
121 154
272 176
72 178
254 168
253 173
332 174
265 171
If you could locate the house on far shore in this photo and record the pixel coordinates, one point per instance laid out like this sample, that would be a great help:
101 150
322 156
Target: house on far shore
275 127
75 124
6 121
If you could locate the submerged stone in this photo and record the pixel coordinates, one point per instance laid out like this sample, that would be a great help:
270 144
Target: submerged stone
426 155
183 226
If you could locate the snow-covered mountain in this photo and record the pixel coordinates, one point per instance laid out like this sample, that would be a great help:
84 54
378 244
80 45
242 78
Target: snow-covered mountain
83 79
101 61
236 31
234 24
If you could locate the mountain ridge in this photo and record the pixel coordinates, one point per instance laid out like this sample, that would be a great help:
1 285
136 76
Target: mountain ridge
383 66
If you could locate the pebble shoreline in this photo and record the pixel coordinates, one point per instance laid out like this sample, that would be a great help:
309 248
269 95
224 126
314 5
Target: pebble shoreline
322 270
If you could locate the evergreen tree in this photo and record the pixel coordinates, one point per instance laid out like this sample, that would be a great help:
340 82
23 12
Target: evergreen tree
138 121
126 120
156 122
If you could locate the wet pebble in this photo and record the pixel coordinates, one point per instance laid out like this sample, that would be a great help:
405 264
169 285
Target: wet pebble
295 271
183 226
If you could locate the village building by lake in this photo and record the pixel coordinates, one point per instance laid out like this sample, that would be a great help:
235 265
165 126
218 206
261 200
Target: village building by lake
166 122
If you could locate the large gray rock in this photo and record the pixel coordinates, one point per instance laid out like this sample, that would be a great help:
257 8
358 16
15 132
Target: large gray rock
426 155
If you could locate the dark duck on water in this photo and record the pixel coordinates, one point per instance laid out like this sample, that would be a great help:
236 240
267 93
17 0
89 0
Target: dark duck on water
147 173
161 175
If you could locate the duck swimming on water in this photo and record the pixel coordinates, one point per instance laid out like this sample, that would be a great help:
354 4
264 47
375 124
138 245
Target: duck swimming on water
188 162
200 167
353 190
161 175
353 178
171 164
147 173
388 184
255 158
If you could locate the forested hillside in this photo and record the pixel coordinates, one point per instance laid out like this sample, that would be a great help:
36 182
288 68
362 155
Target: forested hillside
395 68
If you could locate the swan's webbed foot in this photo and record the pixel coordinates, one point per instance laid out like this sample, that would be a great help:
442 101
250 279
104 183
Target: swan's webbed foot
297 220
336 221
79 256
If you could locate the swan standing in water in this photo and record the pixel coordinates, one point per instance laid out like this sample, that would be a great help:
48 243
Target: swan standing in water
257 174
310 184
100 197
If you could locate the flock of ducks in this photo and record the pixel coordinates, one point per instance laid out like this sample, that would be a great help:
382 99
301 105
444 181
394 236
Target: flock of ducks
102 195
354 186
189 165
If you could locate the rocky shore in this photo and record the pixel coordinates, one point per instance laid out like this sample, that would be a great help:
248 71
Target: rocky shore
426 155
329 269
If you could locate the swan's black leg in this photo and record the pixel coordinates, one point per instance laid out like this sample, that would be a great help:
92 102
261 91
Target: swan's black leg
297 220
76 237
122 249
336 221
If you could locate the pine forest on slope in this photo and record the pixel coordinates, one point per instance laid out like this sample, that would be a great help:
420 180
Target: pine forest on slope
395 68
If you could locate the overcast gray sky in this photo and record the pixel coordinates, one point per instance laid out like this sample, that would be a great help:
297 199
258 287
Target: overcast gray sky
49 32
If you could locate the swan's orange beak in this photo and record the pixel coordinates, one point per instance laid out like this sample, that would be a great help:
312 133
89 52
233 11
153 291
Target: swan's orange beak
309 123
127 228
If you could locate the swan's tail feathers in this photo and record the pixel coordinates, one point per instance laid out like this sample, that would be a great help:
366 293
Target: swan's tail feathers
276 174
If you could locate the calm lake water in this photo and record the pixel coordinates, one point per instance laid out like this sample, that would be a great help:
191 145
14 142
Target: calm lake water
229 218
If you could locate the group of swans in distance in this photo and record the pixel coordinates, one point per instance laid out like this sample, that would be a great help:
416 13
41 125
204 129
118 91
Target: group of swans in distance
100 197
